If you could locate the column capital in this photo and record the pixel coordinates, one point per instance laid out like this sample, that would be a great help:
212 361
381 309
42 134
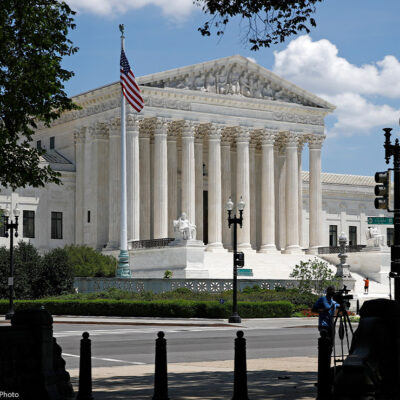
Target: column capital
162 127
291 139
315 141
115 126
189 129
80 135
215 132
227 135
133 122
243 135
100 131
268 137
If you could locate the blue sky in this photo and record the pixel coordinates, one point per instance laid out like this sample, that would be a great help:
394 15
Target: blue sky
351 59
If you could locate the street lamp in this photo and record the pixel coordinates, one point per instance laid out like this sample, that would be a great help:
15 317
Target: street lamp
238 257
10 226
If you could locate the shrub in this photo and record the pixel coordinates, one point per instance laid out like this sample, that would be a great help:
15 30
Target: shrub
88 262
55 275
165 308
313 276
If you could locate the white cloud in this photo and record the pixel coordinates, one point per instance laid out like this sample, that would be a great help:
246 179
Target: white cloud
174 8
317 67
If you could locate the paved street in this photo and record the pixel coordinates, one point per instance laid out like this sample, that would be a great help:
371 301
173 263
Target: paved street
134 344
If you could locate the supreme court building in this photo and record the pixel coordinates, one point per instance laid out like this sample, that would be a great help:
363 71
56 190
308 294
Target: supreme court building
222 128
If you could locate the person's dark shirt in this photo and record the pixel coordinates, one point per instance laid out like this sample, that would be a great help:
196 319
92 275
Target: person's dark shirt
329 306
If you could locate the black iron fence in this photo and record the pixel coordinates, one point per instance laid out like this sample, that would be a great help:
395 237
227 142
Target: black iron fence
150 243
336 249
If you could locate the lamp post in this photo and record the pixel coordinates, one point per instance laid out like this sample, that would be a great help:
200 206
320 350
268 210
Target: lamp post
238 257
11 226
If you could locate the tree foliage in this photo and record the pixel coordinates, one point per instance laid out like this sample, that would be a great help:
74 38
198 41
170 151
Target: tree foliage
266 22
33 41
314 276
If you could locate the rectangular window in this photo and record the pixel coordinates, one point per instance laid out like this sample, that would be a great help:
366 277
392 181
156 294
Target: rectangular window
2 226
333 235
38 144
390 236
28 220
52 142
56 225
352 235
88 216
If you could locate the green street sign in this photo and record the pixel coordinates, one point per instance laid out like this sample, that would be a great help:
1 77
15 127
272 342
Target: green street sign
380 220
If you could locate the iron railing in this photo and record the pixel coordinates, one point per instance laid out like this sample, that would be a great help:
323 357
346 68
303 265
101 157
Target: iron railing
336 249
150 243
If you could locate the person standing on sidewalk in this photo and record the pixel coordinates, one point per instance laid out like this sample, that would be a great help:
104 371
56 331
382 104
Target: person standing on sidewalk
326 307
366 285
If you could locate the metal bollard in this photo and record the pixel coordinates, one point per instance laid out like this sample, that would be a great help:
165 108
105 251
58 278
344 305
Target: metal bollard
85 369
240 374
324 367
160 375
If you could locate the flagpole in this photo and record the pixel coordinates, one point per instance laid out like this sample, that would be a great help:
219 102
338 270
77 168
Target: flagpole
123 270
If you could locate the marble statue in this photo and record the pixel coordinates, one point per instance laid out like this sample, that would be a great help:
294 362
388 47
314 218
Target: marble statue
374 237
183 229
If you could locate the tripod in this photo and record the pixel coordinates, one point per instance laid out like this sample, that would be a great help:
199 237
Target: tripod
343 333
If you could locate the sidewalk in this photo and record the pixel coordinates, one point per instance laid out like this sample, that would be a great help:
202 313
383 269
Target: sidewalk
273 378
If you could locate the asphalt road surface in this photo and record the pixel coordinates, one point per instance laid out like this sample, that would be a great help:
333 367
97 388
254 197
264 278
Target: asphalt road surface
114 345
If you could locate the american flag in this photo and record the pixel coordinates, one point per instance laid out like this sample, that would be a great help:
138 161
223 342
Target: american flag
130 88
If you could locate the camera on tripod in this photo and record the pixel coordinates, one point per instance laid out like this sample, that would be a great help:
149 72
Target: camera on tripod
343 298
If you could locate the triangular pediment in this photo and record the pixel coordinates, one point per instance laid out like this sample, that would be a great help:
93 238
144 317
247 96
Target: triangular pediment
234 76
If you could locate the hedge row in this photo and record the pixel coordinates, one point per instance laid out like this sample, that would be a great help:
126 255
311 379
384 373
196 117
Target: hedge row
171 309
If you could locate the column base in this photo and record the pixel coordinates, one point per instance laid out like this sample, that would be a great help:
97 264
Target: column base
294 249
215 248
245 248
123 270
313 250
268 249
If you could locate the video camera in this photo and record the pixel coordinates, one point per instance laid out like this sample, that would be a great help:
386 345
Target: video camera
342 297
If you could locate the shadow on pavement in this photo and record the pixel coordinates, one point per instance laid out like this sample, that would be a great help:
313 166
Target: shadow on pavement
263 385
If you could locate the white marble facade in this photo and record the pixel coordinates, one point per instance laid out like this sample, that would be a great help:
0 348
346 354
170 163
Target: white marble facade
209 131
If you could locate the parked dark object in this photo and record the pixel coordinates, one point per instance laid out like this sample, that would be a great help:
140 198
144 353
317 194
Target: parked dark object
372 367
240 374
28 364
160 376
324 366
85 369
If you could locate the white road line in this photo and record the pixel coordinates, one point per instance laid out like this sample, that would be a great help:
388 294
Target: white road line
106 359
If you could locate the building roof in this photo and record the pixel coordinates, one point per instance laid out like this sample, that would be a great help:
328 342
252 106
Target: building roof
342 179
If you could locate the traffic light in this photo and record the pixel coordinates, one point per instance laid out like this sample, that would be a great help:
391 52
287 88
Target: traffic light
382 190
239 259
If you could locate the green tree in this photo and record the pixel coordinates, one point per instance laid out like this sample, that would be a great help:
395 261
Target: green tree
266 22
33 41
314 276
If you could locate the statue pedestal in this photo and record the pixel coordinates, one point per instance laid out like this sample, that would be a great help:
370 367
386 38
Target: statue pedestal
184 258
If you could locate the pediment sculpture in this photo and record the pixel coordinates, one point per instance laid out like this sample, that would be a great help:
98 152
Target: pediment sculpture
184 229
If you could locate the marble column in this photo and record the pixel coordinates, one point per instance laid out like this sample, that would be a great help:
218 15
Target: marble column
292 195
132 174
214 191
253 195
315 195
226 185
145 179
160 194
267 194
243 187
198 160
300 189
188 172
280 199
173 212
79 137
114 184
